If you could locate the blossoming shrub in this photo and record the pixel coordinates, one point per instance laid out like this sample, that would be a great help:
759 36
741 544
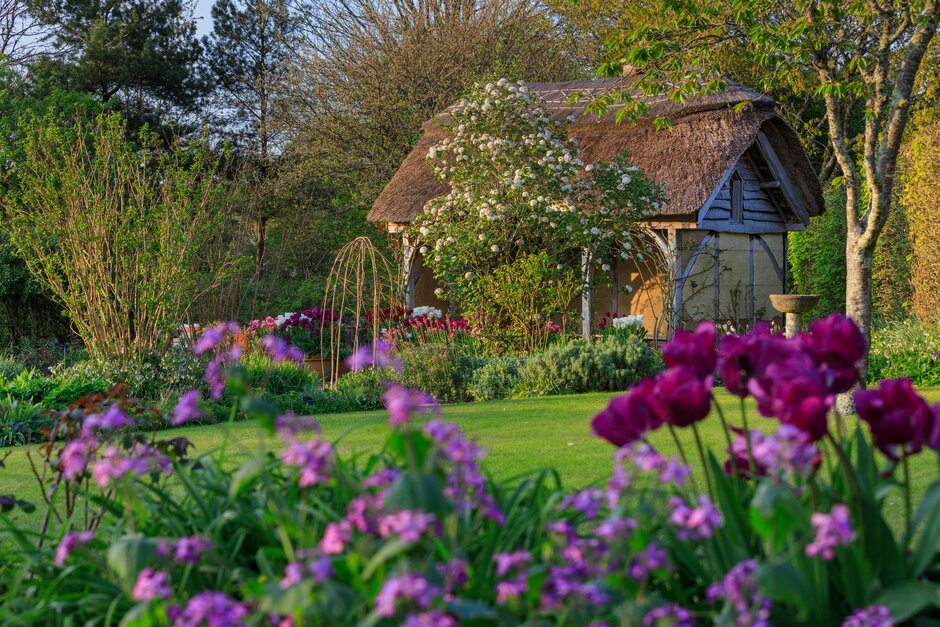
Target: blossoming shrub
783 528
906 349
519 187
609 364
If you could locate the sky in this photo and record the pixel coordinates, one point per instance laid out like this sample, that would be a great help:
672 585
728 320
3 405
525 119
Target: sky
203 9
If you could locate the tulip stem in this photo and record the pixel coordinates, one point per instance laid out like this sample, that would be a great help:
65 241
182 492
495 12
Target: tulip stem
724 426
701 454
907 497
751 462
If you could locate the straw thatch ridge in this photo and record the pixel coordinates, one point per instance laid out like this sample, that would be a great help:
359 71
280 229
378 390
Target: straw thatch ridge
689 159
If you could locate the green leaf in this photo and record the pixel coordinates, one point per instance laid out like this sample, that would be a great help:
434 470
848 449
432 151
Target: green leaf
246 475
138 616
287 601
781 581
909 598
390 549
262 410
129 555
467 611
420 491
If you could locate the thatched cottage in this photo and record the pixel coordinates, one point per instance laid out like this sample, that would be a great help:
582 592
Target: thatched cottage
738 181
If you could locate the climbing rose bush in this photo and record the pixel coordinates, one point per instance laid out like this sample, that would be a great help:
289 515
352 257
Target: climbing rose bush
787 526
518 187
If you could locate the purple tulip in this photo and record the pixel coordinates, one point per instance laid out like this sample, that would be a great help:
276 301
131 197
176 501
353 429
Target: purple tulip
695 351
793 391
681 397
836 345
896 415
744 357
629 416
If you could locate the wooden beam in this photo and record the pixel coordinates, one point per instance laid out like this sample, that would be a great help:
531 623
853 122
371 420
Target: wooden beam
773 259
786 261
751 313
681 278
703 210
788 187
409 275
717 270
770 185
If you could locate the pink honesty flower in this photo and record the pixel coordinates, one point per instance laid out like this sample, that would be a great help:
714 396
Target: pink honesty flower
75 457
111 419
408 525
213 337
314 458
832 530
402 402
697 522
151 584
506 562
289 425
787 451
694 351
871 616
187 409
215 374
588 501
140 460
430 619
406 587
334 540
279 350
71 541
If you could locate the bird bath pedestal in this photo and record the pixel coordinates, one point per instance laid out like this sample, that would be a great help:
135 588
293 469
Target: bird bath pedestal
793 306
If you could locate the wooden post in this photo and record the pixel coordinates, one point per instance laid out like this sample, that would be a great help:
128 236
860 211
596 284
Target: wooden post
614 288
586 295
672 237
717 271
408 274
751 313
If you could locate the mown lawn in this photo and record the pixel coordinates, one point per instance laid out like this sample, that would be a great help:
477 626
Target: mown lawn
521 436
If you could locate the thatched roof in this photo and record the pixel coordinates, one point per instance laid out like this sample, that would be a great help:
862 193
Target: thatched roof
689 159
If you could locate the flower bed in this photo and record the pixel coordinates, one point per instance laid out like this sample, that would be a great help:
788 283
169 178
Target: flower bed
782 528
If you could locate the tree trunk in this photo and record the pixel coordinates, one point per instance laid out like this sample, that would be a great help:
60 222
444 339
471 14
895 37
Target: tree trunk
259 254
858 262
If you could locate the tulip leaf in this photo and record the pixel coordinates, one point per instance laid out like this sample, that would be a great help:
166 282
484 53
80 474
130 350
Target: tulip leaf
245 476
262 410
417 491
138 616
928 514
389 550
907 599
781 581
470 611
419 444
129 555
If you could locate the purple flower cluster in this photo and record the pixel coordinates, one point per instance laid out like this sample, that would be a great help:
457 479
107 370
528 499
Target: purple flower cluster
213 340
314 458
402 403
694 523
378 355
214 337
672 615
320 568
151 584
113 418
430 619
511 564
279 350
187 409
788 451
739 590
408 525
871 616
71 541
653 557
466 485
588 502
186 550
141 459
210 609
832 530
289 425
408 588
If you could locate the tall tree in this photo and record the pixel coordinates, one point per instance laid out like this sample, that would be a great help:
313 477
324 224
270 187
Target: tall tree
860 55
19 32
247 56
142 53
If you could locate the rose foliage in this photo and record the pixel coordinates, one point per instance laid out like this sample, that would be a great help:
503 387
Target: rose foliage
785 527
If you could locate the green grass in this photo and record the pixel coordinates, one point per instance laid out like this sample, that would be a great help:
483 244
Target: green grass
520 435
